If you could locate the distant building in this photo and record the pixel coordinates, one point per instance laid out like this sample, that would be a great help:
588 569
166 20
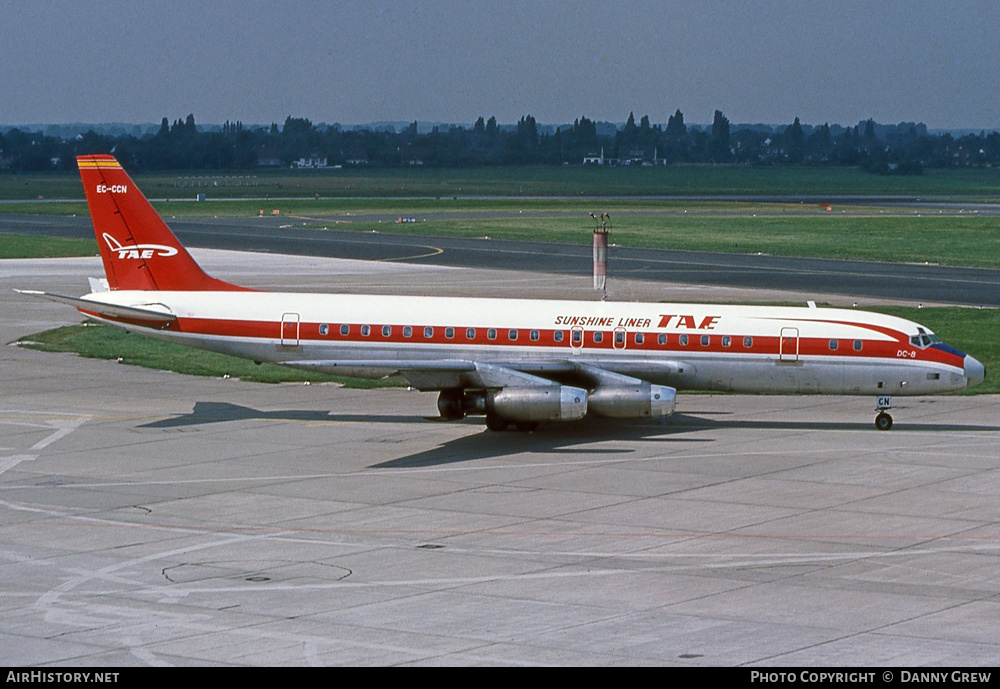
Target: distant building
313 162
598 159
643 155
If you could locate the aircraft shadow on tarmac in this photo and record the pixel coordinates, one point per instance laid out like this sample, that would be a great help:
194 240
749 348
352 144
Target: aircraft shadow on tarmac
567 437
222 412
574 438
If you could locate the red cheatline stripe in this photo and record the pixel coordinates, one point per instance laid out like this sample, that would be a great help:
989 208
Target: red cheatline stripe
308 332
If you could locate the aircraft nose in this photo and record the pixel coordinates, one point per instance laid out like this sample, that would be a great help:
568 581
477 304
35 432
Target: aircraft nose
974 371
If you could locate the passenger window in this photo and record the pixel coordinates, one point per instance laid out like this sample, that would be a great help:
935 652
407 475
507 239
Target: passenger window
534 336
683 339
576 337
386 330
491 334
511 335
470 333
661 339
748 342
366 330
639 338
705 339
833 345
726 340
857 345
449 333
598 337
345 329
324 329
428 332
557 336
407 331
619 337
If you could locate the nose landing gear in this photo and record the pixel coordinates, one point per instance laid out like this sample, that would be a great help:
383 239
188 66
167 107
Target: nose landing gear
883 420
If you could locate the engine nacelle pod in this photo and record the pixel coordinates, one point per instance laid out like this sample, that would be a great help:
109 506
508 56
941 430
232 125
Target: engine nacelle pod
544 403
633 401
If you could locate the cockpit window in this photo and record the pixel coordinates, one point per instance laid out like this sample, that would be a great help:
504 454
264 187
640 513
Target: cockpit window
924 339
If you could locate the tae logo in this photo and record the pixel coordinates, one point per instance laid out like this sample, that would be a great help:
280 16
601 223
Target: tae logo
139 251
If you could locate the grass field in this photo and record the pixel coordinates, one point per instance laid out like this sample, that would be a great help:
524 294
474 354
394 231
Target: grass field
569 180
552 203
971 330
906 235
855 234
24 246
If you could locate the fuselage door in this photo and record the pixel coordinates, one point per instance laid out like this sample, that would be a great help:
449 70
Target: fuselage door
576 339
289 330
788 345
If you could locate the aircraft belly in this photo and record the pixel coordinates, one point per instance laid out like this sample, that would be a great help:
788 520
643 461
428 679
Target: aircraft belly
865 377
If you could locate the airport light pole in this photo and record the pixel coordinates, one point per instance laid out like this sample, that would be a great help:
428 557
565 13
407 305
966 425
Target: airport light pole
601 232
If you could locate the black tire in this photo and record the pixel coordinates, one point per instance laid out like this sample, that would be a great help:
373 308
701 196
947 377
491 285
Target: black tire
883 422
450 405
495 422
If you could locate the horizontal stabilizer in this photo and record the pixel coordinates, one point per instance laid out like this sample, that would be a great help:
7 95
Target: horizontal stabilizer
134 315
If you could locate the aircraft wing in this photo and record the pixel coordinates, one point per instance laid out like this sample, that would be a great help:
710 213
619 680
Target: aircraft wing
438 374
133 315
433 374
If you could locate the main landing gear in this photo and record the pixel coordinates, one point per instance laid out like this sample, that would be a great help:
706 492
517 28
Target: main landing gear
883 421
453 405
495 422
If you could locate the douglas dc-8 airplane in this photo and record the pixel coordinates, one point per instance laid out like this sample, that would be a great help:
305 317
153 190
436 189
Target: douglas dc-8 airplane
517 361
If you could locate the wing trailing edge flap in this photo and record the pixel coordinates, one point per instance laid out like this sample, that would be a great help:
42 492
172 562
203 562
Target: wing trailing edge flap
431 374
438 374
148 315
431 369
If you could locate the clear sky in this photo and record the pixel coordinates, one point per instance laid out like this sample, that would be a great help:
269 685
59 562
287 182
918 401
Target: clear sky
453 60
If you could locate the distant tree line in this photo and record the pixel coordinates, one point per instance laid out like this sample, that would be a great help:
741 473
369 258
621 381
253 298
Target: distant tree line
905 148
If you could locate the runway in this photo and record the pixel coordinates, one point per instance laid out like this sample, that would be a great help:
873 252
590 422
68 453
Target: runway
152 519
856 279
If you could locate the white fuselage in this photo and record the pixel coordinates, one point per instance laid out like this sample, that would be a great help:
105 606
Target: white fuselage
686 346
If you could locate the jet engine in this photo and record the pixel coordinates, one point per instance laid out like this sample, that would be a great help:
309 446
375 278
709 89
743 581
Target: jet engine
632 401
528 403
551 403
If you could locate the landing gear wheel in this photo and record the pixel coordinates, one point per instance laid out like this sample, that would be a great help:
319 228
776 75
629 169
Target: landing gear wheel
450 405
495 422
883 422
525 426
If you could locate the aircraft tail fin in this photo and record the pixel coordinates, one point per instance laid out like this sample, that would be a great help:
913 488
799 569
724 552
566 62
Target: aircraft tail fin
138 249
